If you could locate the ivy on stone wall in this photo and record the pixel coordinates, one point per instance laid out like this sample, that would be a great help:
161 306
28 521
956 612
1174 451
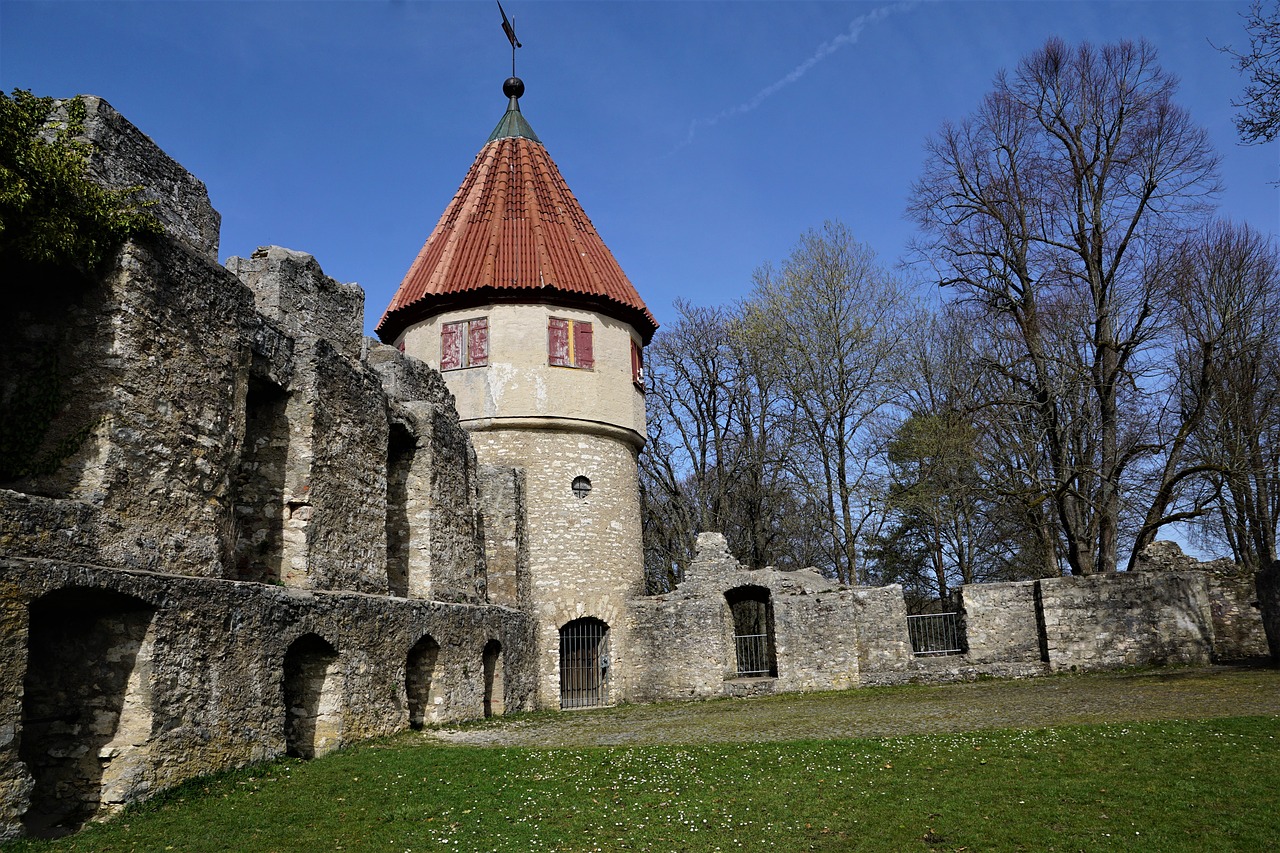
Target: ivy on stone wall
57 229
51 213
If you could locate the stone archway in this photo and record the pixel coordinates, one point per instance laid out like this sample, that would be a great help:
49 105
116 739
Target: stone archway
755 649
420 682
86 708
584 663
494 686
312 698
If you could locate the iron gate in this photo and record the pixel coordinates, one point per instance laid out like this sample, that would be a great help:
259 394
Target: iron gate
584 663
753 655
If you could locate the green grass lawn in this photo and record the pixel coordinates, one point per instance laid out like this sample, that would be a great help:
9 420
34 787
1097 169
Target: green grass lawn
1202 785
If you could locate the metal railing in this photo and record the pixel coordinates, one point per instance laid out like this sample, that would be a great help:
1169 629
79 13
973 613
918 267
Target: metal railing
935 633
753 655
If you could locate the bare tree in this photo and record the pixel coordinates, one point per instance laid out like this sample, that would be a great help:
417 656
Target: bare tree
717 458
1259 120
834 321
1047 207
1229 295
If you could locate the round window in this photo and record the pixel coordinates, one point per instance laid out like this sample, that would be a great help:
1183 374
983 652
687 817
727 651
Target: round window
581 487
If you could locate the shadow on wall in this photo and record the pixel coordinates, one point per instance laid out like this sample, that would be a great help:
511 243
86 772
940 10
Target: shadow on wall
86 710
494 705
313 712
420 684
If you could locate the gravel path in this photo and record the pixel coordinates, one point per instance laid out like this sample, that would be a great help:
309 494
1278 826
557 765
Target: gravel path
1181 693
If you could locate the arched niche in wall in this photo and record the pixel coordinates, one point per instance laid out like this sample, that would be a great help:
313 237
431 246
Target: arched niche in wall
86 706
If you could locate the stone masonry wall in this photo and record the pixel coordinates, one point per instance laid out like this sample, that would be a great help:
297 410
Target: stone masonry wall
831 637
151 447
214 675
1126 619
123 157
826 636
1000 622
585 557
1233 599
195 574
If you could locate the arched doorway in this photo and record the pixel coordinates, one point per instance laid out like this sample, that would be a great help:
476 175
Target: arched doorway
755 653
493 680
419 682
86 706
584 663
312 701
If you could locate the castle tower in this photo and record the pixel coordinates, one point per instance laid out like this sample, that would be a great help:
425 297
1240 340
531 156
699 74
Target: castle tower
539 335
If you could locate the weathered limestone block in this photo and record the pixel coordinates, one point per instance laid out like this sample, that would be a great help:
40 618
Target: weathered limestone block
123 157
1000 622
819 639
149 358
681 649
406 378
342 504
1238 630
506 552
824 636
290 288
883 642
711 558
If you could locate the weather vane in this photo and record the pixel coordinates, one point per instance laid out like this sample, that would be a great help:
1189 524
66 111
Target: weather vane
509 28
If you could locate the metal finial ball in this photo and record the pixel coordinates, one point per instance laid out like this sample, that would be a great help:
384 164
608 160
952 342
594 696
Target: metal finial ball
513 87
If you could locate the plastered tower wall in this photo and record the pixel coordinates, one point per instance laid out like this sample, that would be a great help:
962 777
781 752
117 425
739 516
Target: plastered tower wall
556 424
585 554
518 382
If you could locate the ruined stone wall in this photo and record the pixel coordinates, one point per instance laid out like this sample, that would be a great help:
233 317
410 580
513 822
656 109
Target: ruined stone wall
123 157
207 693
443 514
502 495
1233 599
150 357
1000 622
230 482
825 636
1126 619
831 637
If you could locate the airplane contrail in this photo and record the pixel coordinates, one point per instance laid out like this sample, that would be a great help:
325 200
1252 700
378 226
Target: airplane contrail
849 36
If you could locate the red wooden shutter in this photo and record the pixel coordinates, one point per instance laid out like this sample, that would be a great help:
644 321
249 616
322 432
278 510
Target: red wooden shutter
637 364
558 342
450 346
582 354
478 342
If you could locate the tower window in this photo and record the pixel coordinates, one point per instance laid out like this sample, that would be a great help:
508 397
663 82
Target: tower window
569 343
637 365
464 344
581 487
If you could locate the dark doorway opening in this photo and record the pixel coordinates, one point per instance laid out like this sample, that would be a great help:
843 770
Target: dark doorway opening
493 679
584 663
755 652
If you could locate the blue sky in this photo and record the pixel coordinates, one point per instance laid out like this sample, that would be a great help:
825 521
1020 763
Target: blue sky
701 137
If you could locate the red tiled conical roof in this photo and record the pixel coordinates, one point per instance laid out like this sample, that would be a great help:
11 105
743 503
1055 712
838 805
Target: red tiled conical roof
514 233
